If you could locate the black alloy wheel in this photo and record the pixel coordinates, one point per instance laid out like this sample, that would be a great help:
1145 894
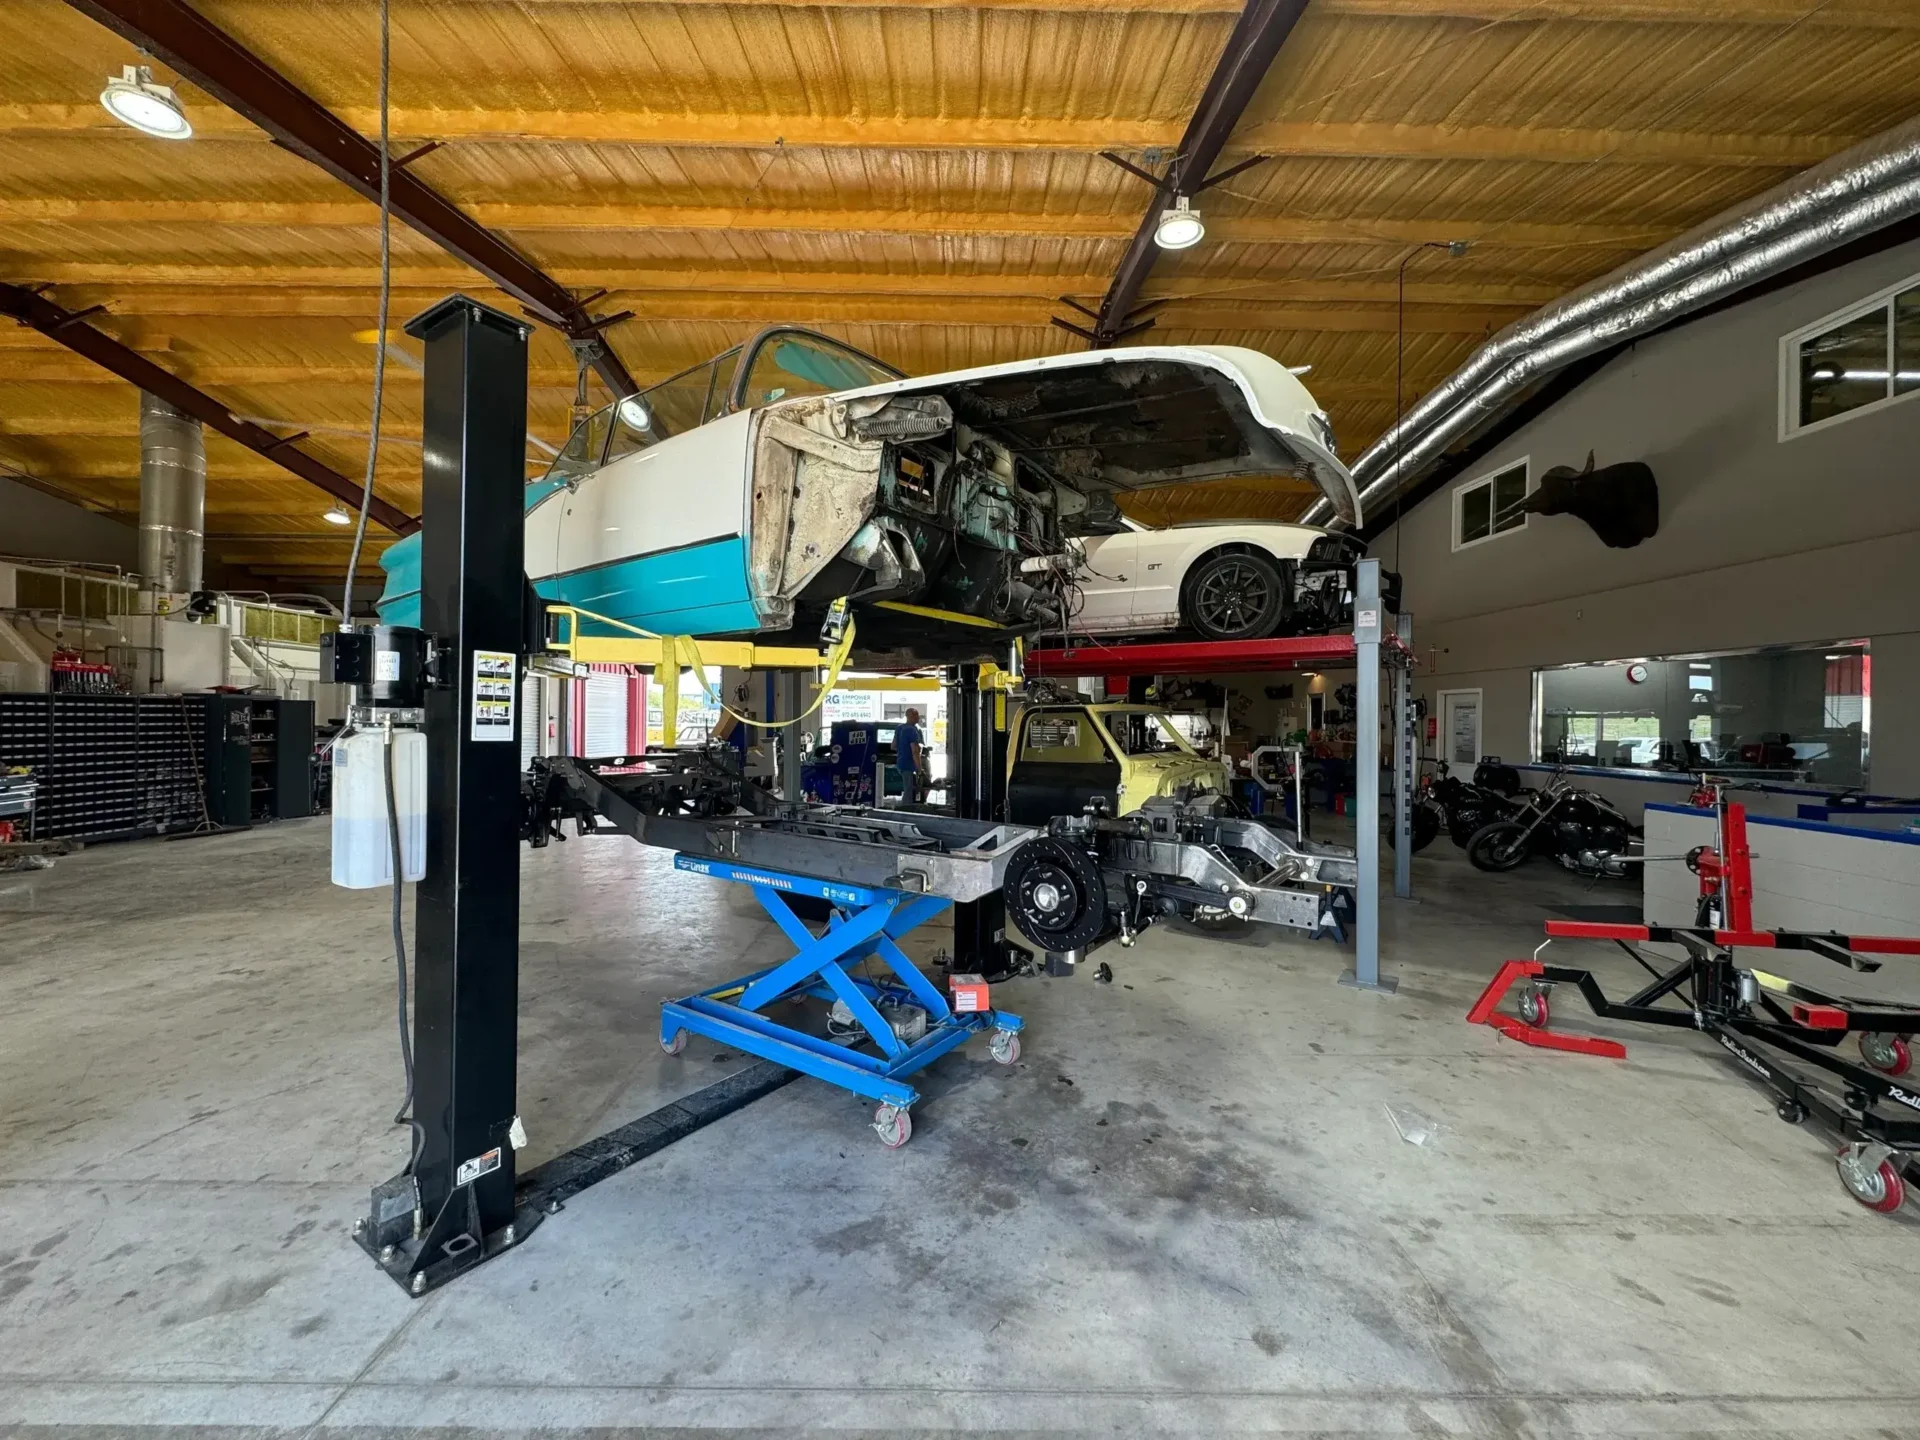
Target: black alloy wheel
1240 595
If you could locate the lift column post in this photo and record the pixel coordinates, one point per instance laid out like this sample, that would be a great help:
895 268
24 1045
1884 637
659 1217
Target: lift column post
467 916
978 787
790 688
1368 624
1403 759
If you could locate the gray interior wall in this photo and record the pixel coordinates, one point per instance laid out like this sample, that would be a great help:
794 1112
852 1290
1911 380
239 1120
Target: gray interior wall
36 526
1762 541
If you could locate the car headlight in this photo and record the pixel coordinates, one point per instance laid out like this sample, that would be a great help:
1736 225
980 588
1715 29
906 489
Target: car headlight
1323 430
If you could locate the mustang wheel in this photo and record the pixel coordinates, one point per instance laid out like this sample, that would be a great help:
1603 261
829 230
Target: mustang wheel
1241 595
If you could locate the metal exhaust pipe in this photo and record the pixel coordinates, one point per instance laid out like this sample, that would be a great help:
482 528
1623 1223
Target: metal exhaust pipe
173 497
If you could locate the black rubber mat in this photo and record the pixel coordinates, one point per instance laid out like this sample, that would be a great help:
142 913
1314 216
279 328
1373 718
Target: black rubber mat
1601 914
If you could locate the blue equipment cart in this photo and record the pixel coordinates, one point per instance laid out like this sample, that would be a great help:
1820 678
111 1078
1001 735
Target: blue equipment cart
867 921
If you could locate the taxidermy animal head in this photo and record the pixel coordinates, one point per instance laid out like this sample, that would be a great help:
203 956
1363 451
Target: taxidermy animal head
1620 502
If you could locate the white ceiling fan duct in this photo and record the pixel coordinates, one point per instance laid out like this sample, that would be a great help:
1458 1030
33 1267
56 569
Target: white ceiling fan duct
1856 192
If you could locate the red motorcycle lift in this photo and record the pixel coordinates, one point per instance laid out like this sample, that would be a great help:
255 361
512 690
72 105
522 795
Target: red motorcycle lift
1755 1017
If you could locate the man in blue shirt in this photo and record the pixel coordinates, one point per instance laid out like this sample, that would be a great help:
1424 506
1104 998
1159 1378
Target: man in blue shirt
909 755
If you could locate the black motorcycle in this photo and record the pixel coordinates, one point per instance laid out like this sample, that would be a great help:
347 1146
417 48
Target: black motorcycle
1464 806
1580 829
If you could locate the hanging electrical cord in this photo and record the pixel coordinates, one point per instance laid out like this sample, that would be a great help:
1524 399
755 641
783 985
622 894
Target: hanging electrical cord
386 297
402 1116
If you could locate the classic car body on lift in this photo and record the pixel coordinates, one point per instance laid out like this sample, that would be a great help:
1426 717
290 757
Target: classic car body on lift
716 506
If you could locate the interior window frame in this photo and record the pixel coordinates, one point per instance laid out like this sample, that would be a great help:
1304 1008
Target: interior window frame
1487 480
1859 646
1884 300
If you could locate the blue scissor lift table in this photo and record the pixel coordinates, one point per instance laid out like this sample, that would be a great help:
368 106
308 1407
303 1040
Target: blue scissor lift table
867 921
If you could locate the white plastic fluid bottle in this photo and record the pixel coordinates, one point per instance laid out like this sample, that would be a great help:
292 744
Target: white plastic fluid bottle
362 846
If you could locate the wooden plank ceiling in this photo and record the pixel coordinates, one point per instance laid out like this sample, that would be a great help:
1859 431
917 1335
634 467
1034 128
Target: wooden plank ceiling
918 177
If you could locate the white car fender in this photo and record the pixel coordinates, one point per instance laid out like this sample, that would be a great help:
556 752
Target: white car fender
1162 560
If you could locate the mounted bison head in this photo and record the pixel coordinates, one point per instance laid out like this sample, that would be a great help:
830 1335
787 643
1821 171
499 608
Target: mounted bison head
1621 503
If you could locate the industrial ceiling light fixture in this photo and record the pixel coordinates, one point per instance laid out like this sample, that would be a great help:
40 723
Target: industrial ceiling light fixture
338 515
1180 228
634 413
133 99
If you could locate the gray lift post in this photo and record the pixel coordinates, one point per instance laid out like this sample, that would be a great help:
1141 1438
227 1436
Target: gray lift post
791 690
1368 614
1403 760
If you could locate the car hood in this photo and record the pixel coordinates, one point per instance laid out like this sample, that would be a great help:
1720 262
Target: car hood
1145 416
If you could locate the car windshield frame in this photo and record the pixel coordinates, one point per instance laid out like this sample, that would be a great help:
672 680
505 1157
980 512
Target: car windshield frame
750 356
721 396
1167 728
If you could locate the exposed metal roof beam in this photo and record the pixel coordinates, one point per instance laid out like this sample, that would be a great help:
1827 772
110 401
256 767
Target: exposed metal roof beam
1018 134
1257 36
636 216
241 80
65 326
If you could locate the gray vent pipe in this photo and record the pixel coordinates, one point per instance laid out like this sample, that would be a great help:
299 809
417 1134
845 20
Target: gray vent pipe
173 497
1873 184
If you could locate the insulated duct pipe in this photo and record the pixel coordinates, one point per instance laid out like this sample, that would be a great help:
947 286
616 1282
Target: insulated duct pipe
173 497
1873 184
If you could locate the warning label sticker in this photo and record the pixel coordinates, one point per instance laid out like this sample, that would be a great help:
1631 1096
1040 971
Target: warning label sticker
493 695
471 1170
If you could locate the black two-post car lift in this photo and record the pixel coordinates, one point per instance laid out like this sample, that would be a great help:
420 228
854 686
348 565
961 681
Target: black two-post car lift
461 1200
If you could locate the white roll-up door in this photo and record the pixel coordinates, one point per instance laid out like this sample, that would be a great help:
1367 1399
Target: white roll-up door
606 715
530 720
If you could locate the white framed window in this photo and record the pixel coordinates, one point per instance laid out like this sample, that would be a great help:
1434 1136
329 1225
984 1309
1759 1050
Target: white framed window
1856 360
1489 505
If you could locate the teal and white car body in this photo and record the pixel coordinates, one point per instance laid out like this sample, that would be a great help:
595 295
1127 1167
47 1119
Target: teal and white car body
741 497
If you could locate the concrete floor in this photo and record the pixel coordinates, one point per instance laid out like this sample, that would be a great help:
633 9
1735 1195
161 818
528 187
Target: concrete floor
1185 1209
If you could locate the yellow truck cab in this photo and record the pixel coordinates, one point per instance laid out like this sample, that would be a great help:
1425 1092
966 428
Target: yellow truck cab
1063 755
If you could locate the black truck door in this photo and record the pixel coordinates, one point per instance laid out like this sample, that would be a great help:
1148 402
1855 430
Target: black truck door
1060 762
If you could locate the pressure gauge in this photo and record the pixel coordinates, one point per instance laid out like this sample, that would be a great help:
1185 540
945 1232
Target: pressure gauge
1636 673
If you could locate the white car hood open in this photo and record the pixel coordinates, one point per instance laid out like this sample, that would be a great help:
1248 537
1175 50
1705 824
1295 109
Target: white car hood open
1149 415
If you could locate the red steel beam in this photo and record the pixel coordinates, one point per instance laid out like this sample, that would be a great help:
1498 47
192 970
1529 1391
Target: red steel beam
70 330
1263 27
1192 657
241 80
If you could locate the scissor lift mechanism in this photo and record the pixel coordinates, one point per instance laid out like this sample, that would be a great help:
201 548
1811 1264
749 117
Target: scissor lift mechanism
1758 1018
878 874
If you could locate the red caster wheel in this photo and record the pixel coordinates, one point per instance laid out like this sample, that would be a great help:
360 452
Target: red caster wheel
1889 1054
676 1044
1870 1177
1534 1008
893 1125
1004 1046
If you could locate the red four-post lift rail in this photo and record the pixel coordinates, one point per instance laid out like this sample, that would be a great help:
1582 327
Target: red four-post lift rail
1754 1018
1378 639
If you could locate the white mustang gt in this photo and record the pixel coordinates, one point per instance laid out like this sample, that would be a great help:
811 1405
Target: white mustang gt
1240 580
747 494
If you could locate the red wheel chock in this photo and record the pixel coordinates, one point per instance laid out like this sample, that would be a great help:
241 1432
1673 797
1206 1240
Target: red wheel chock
1513 1028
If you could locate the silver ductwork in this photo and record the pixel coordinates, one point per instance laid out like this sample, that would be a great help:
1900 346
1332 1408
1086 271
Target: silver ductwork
173 497
1858 191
